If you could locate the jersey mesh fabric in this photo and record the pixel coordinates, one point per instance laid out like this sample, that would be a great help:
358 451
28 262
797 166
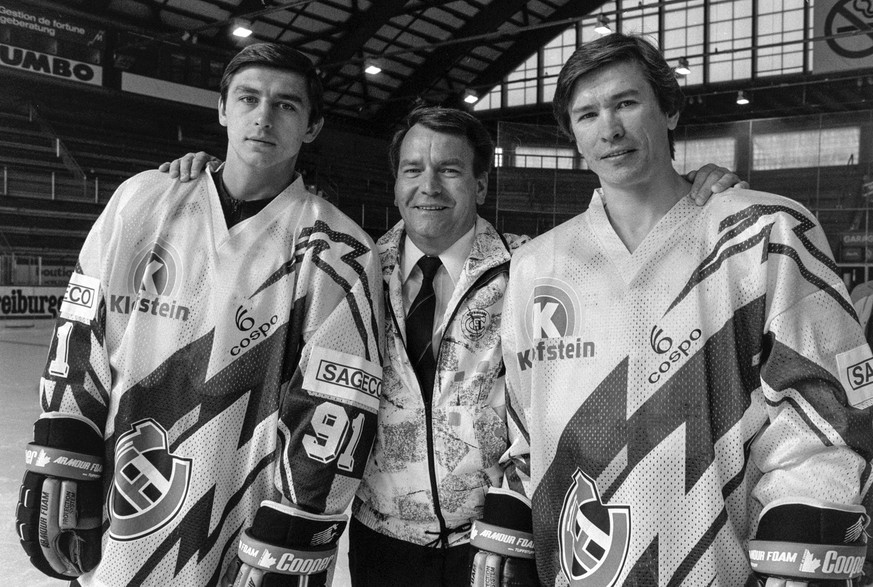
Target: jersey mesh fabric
198 385
659 387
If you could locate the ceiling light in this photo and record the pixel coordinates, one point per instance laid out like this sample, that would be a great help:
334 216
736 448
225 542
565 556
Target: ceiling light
242 29
741 98
602 27
683 69
470 97
372 67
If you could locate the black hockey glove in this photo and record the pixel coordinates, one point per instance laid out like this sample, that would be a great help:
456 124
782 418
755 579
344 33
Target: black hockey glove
286 547
504 539
808 542
60 503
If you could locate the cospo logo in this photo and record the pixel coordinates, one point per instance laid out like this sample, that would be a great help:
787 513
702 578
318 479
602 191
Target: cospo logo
662 344
246 323
552 310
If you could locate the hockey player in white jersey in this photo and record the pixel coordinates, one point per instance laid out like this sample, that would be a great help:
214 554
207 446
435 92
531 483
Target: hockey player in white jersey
690 383
210 398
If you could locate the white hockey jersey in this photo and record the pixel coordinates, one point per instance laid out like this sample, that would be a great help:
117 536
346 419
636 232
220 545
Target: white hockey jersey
668 394
223 367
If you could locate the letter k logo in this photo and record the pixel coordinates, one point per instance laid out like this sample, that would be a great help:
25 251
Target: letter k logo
153 279
543 320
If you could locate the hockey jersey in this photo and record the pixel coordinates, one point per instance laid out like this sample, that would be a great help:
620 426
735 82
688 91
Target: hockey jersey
668 394
223 367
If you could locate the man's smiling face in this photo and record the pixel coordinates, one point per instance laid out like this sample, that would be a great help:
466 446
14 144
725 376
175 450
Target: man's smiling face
619 126
436 189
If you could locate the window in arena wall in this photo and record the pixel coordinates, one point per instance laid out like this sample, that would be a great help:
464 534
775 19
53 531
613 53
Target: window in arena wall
683 37
521 84
780 22
730 34
555 55
810 148
498 157
544 157
489 101
695 153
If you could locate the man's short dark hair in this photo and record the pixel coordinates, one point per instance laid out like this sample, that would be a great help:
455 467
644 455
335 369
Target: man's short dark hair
279 57
618 48
448 121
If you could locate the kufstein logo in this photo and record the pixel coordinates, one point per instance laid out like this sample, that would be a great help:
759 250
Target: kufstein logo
245 323
155 276
150 483
670 353
475 323
552 312
592 538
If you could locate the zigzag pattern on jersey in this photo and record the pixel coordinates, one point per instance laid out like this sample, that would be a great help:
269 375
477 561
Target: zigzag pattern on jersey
809 379
594 436
182 377
738 238
309 241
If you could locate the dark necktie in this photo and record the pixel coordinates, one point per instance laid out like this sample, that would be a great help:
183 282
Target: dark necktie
419 327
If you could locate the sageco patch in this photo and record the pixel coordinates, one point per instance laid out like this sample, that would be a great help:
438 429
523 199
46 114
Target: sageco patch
81 298
856 375
344 378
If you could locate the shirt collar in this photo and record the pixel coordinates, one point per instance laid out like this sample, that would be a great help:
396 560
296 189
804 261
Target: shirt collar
453 258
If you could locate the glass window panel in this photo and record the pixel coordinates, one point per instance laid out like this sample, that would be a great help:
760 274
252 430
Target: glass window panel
830 147
544 157
694 154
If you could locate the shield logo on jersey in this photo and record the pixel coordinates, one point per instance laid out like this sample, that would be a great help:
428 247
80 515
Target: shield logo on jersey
156 270
592 538
552 310
150 483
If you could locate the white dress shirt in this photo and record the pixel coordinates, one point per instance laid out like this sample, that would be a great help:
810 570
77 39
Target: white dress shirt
444 282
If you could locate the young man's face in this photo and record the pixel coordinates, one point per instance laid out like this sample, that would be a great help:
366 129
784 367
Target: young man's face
267 119
436 189
619 127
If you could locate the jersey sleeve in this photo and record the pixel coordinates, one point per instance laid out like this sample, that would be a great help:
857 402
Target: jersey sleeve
816 442
77 378
328 409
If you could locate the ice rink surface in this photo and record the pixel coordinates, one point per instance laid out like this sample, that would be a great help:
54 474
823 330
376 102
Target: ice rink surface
23 348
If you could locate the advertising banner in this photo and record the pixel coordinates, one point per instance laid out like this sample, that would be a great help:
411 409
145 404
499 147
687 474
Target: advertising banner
52 65
40 21
17 302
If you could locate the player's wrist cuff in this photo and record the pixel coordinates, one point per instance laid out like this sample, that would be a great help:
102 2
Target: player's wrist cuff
56 462
807 561
502 541
279 559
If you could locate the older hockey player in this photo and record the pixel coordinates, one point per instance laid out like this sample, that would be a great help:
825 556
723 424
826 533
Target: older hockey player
212 388
691 380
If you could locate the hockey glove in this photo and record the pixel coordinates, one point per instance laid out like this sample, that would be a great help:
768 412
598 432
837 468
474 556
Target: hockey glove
59 506
286 547
504 539
808 542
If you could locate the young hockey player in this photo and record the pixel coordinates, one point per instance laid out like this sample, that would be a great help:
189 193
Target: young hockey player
210 398
690 381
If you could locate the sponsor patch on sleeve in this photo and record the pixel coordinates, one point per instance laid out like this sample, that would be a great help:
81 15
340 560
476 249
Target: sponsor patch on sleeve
344 378
856 375
81 298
